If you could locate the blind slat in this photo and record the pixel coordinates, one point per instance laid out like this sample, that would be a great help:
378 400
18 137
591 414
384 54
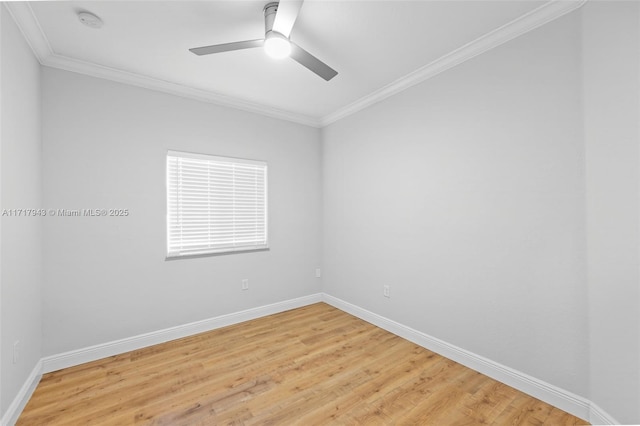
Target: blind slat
215 204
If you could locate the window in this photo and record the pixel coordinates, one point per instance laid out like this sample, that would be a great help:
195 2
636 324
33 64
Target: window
215 204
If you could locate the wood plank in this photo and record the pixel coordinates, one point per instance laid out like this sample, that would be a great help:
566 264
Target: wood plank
314 365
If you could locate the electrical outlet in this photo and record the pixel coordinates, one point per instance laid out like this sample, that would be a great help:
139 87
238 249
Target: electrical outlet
16 351
386 292
318 273
245 284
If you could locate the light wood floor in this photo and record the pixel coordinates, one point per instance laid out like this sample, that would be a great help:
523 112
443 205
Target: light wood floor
313 366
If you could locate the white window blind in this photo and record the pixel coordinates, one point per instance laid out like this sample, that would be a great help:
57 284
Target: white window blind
215 204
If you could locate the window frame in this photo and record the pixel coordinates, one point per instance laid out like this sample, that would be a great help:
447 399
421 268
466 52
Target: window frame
242 248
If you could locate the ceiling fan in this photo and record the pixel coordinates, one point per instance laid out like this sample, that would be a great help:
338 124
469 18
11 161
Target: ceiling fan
279 18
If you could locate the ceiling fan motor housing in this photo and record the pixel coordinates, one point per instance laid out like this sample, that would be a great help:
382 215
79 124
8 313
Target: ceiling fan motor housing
276 43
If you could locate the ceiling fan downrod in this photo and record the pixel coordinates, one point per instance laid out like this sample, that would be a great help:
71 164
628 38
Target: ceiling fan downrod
270 10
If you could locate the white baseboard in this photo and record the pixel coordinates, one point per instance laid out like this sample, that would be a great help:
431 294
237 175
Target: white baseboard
563 399
93 353
20 401
597 416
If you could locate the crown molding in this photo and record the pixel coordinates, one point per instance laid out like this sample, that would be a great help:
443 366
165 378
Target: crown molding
100 71
26 20
525 23
23 14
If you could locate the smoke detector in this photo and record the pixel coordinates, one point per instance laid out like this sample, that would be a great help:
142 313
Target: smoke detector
90 20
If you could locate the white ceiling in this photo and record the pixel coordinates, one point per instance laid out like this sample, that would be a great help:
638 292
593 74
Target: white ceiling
377 47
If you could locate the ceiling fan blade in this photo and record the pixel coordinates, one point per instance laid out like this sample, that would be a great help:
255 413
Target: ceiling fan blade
286 16
226 47
309 61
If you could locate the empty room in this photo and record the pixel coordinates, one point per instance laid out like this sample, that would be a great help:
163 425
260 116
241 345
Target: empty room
322 212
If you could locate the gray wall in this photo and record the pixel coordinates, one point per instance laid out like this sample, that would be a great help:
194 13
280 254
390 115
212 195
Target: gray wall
20 188
465 194
611 43
105 146
499 200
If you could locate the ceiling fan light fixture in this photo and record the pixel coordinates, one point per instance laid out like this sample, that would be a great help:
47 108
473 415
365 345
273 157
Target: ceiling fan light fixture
279 18
276 45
